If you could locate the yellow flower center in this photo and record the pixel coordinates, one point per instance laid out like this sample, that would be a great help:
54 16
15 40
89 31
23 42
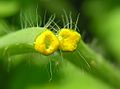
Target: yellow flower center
68 39
46 43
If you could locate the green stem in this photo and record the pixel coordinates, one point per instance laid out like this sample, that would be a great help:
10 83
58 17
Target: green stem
19 42
94 64
23 42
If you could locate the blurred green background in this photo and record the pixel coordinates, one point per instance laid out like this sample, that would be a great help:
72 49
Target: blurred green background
99 25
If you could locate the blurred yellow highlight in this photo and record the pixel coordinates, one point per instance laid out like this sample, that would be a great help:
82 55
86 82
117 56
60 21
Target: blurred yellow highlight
46 43
68 39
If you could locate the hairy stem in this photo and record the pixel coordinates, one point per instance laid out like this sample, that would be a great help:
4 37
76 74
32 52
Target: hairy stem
94 64
23 42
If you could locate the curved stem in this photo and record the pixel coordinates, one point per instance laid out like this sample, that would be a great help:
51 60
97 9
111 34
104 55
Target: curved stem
19 42
99 67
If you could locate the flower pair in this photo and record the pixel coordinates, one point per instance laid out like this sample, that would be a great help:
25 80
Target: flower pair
66 40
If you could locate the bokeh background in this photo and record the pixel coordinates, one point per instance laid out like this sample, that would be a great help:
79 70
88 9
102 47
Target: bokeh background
99 25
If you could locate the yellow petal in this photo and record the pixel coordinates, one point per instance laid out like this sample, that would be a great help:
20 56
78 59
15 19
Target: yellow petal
46 43
68 39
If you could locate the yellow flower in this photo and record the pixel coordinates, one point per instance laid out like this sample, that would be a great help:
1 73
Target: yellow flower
68 39
46 43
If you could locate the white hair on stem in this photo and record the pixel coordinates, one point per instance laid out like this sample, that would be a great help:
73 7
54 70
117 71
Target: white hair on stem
56 25
84 59
39 22
31 19
51 19
82 68
8 58
66 17
27 20
37 15
72 25
61 55
52 27
70 20
50 68
57 31
21 20
63 20
44 18
77 21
